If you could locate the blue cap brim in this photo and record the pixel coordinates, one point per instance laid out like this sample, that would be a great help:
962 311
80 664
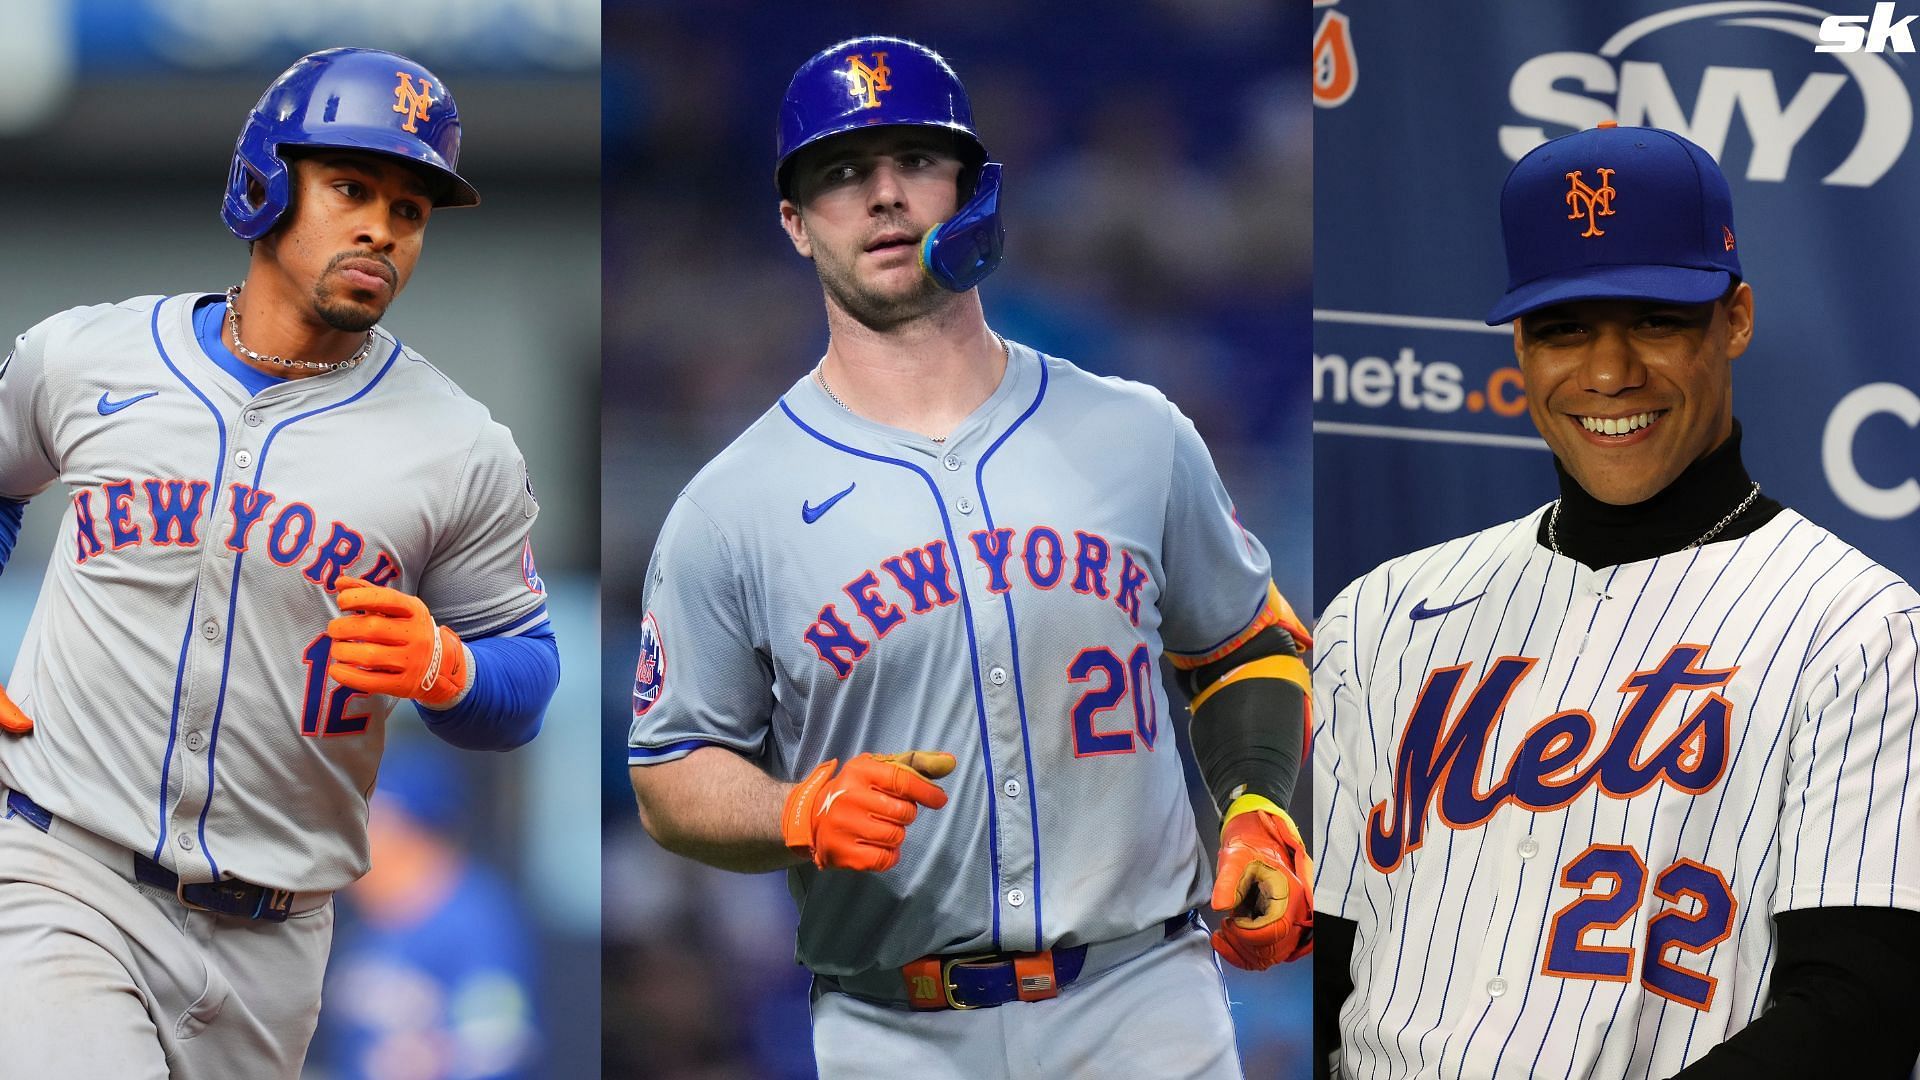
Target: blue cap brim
1662 284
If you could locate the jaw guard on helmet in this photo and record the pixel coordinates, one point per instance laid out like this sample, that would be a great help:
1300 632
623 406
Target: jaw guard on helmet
891 82
350 99
962 250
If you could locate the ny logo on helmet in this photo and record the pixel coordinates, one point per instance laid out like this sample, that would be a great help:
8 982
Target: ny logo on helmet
867 82
411 103
1589 202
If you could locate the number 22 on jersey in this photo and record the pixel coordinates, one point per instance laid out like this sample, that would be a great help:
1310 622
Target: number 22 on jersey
1619 871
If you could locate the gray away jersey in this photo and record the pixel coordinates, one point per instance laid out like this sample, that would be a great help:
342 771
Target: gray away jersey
1564 804
175 662
829 586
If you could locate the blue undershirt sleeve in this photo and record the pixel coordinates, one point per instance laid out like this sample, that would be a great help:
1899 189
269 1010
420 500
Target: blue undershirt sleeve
513 680
11 511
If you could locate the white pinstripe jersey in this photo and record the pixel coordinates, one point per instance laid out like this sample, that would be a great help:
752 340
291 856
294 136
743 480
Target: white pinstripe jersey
1562 804
175 664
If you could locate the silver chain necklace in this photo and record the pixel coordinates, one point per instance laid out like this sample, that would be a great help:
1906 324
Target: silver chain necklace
820 373
1553 522
233 329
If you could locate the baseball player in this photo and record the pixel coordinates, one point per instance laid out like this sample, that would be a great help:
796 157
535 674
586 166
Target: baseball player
903 639
1621 788
280 521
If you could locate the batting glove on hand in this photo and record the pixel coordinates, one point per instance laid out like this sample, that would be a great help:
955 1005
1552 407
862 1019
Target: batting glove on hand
858 819
12 720
1265 882
385 642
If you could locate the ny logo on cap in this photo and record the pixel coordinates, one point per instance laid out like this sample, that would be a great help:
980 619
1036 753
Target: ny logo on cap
411 103
1729 236
1589 202
867 82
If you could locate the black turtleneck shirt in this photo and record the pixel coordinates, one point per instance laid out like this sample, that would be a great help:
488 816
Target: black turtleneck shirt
1600 534
1842 992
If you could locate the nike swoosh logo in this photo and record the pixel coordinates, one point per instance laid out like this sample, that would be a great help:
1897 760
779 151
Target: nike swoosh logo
108 408
1422 611
810 513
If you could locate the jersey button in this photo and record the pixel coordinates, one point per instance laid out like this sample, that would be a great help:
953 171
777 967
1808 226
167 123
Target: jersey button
210 630
186 842
1012 788
254 419
997 676
195 741
1016 897
951 462
1529 848
243 458
965 505
1496 987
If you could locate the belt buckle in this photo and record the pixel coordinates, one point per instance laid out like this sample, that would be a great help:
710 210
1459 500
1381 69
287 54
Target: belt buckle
180 886
946 978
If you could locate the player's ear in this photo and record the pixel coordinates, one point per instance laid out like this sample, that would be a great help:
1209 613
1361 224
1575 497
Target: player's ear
1516 341
796 227
1739 319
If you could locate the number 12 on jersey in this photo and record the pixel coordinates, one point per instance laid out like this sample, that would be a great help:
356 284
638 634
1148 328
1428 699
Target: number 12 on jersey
1619 871
323 708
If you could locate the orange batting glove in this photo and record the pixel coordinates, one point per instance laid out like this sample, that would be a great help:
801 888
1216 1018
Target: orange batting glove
12 720
1265 882
857 820
385 642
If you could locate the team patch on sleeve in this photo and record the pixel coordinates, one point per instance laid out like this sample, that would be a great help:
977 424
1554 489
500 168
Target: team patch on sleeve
529 571
650 675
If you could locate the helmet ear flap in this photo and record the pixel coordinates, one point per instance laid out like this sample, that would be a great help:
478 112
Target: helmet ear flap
249 182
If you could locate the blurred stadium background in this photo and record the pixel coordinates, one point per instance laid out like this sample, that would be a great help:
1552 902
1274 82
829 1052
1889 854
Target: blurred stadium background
1158 185
117 122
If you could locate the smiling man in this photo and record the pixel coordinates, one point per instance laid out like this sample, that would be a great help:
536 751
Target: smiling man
1618 789
281 522
902 639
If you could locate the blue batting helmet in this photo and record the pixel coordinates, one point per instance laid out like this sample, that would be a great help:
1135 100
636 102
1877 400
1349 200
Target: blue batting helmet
353 99
891 82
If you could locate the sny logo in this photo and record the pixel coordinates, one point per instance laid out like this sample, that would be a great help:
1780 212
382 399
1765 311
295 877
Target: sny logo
867 82
1843 34
1589 202
411 103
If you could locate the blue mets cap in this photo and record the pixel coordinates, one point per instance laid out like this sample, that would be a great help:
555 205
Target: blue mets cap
871 82
1626 213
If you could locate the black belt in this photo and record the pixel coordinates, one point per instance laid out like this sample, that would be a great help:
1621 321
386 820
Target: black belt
237 898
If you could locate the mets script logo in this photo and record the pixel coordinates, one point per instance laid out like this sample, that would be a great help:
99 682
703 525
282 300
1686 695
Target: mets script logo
650 676
411 103
1442 753
866 82
1590 202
